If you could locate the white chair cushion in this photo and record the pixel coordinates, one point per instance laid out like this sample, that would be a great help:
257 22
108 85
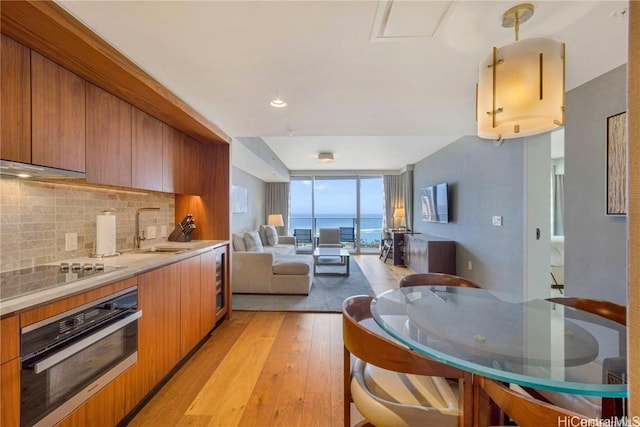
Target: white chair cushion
387 398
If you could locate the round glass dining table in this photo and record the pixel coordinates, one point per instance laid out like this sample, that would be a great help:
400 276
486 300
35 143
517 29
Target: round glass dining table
534 343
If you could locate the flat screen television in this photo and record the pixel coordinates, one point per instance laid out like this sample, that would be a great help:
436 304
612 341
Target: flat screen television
435 203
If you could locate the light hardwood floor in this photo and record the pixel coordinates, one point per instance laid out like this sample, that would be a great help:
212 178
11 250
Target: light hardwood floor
265 369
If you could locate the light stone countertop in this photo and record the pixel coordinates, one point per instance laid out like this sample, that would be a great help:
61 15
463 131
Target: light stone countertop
128 264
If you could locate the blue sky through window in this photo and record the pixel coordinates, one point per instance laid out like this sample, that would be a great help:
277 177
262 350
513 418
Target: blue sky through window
337 196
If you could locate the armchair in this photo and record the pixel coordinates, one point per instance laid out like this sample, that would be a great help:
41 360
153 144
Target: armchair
329 238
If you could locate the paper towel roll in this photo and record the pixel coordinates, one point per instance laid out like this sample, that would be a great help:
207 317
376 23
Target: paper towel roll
105 234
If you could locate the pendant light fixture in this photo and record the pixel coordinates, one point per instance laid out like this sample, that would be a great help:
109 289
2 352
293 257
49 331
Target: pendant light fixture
520 89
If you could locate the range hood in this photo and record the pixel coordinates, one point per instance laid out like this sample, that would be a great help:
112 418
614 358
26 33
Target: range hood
10 169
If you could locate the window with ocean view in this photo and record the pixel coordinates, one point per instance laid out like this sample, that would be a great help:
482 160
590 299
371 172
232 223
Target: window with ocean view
354 204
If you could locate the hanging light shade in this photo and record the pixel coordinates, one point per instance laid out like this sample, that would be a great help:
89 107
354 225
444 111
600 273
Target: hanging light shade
520 88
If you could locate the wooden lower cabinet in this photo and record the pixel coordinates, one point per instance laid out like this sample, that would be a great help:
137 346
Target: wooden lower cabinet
190 300
10 393
180 305
159 327
208 292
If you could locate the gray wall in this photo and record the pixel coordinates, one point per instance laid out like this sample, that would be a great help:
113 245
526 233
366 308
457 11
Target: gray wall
256 188
595 244
484 181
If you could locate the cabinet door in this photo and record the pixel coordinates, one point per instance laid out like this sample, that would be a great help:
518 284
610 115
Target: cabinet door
57 115
15 102
208 292
159 327
146 151
181 163
191 167
10 337
170 158
108 138
10 371
190 297
223 307
10 392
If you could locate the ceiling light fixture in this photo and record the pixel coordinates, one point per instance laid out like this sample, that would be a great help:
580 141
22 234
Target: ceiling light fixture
278 103
520 89
325 157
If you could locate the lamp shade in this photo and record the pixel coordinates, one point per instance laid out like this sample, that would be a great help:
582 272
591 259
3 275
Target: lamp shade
399 217
275 220
521 89
398 213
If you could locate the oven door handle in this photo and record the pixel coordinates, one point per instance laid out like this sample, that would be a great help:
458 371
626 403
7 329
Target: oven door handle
76 347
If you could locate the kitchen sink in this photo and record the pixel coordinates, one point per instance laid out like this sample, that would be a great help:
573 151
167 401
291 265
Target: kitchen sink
162 250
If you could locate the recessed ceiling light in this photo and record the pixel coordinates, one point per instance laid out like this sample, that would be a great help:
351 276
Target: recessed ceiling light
278 103
325 157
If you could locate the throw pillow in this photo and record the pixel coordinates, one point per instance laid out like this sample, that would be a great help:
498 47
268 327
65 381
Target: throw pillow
238 243
253 242
270 235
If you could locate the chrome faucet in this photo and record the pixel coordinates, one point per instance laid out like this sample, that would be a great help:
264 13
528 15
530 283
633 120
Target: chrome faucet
137 239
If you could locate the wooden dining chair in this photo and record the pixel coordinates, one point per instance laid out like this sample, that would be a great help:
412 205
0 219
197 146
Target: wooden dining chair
606 309
394 386
523 409
435 279
612 368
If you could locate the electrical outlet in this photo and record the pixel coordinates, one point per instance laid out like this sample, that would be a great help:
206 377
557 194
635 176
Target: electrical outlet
497 221
71 242
469 265
163 231
151 232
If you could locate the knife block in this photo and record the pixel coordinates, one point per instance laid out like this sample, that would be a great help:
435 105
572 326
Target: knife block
179 235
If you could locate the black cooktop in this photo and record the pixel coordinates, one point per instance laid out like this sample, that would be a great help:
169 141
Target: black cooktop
17 283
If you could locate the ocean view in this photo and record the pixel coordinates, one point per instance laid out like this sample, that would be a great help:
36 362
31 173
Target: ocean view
371 226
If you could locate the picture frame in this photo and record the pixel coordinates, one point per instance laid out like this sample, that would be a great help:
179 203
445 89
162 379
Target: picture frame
617 164
239 199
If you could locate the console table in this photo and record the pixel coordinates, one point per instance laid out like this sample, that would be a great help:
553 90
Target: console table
425 254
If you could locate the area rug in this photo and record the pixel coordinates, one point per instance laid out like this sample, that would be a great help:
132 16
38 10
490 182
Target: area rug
327 294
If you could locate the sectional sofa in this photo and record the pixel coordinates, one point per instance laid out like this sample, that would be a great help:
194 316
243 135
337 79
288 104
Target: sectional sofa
263 268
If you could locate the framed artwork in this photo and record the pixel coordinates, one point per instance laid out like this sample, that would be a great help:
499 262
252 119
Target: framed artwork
617 164
239 199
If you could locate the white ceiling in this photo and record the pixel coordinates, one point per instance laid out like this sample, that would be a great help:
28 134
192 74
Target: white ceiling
379 97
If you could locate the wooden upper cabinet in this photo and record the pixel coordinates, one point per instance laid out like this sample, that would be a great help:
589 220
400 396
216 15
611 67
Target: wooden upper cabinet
181 163
192 169
146 151
57 115
108 156
15 77
170 151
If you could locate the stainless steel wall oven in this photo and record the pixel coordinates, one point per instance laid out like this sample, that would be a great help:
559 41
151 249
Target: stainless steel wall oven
69 357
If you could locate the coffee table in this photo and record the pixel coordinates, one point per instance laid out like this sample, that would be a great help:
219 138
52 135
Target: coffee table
331 252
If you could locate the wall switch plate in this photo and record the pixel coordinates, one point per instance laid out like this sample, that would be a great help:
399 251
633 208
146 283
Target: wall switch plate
151 232
497 221
71 242
163 231
469 265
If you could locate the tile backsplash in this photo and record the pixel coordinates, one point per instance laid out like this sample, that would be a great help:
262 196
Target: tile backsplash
36 216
